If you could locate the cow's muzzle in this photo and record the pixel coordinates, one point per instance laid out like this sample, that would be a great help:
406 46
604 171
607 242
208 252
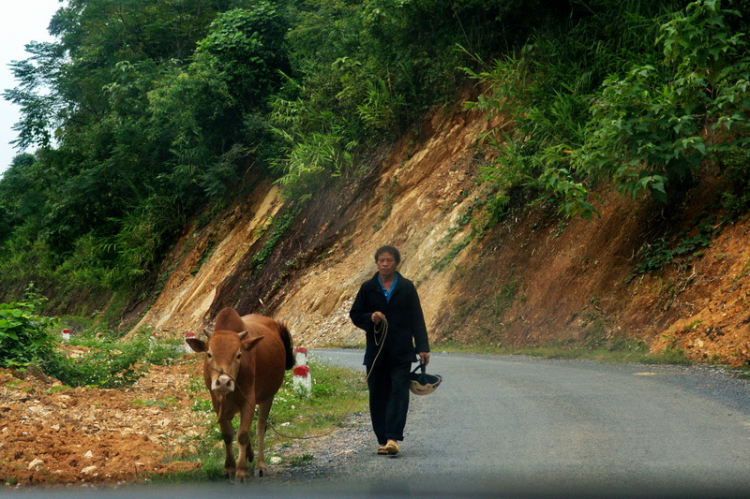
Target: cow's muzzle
223 384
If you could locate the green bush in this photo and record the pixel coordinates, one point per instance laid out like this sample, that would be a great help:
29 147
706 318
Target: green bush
25 339
24 335
111 364
653 128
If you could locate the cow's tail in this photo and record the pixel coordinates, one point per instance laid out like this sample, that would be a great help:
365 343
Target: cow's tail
286 337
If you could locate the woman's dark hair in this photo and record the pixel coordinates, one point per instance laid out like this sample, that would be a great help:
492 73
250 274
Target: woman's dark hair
388 249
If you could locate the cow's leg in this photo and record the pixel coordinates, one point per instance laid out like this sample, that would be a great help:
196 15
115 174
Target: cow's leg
263 410
227 435
243 440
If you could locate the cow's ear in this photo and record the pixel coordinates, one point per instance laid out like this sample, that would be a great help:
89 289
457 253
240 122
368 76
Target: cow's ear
196 344
248 345
242 335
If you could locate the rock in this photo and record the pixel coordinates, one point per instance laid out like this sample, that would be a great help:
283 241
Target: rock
34 465
88 470
89 455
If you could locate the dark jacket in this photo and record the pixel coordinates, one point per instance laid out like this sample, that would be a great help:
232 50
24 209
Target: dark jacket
407 333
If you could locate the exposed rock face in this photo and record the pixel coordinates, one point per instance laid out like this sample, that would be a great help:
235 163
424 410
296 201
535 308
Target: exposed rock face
532 278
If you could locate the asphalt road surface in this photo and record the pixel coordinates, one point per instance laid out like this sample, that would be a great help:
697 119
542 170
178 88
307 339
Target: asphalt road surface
520 426
526 427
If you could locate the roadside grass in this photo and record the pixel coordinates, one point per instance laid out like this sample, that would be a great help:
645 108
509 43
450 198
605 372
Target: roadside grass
626 351
594 346
337 392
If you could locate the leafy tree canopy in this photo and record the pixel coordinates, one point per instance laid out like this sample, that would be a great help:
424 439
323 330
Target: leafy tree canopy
144 112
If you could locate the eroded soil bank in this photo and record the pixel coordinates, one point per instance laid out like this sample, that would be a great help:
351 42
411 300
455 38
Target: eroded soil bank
534 277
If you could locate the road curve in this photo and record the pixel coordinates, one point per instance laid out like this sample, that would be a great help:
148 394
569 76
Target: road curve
521 426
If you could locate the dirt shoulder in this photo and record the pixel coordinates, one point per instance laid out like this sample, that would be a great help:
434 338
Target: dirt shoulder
51 434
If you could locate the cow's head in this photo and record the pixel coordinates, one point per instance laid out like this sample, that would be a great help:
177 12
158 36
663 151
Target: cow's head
224 351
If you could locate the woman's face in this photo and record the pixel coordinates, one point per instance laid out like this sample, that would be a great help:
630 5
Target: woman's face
386 264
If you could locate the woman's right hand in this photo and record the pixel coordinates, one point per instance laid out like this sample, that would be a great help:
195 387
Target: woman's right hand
377 317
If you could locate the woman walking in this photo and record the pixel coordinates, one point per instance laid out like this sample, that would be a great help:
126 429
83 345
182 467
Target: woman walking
387 307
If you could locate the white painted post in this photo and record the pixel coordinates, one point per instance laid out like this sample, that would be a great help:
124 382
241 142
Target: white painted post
300 355
301 380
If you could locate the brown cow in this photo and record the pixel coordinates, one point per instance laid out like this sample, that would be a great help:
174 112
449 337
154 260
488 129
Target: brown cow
244 367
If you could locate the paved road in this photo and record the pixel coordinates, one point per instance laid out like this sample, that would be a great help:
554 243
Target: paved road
523 426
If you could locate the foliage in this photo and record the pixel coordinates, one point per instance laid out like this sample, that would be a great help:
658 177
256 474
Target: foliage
151 105
578 119
280 227
652 128
144 112
622 350
101 368
247 45
111 364
547 87
26 338
24 335
687 243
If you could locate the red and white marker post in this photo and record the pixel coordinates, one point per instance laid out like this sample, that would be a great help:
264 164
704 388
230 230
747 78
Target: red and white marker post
301 380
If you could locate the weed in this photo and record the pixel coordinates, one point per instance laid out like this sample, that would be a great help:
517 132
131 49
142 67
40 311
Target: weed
161 404
303 460
285 221
442 263
744 271
560 228
385 210
503 299
205 254
13 385
60 388
23 333
688 244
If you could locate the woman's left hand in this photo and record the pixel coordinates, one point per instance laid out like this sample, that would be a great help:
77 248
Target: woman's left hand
424 358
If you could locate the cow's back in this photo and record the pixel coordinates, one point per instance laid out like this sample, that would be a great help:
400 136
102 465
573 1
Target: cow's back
270 355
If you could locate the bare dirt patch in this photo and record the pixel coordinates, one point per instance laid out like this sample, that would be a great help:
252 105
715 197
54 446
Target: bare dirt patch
50 434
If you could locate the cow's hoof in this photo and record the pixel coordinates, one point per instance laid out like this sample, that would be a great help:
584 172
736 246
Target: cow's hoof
241 475
260 472
228 472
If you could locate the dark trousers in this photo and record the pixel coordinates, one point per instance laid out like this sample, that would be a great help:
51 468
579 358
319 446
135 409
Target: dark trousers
389 400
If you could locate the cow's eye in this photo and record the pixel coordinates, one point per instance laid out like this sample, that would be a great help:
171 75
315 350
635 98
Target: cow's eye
209 355
239 356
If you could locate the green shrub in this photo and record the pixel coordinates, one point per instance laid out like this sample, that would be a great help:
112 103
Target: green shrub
654 127
24 335
111 364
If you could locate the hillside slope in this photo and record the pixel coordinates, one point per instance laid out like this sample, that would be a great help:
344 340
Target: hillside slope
533 278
